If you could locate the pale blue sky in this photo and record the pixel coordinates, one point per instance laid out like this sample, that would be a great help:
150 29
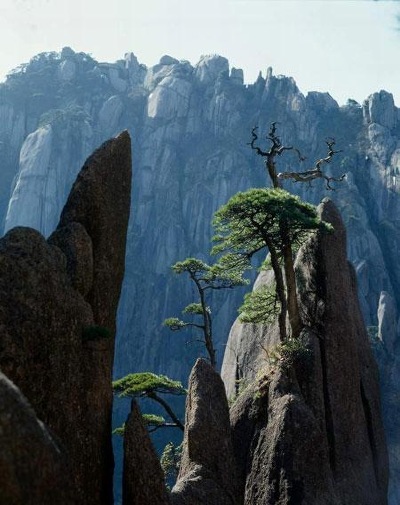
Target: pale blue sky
350 48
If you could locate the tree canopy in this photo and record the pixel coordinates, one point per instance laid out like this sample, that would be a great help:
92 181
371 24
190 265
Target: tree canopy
150 385
142 384
270 219
252 219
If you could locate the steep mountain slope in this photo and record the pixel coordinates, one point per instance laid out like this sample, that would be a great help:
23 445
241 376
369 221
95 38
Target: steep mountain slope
309 429
58 309
189 126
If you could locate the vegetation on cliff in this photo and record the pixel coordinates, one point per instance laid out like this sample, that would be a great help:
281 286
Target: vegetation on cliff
151 386
222 275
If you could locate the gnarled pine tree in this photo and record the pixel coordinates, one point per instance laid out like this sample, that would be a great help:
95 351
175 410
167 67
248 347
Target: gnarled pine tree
223 275
276 220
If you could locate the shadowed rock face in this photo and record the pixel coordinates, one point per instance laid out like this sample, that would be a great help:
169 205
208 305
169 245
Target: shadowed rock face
143 478
207 474
33 468
312 433
57 315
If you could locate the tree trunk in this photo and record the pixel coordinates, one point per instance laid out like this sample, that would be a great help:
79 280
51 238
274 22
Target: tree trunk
208 339
167 409
280 290
295 321
270 164
210 343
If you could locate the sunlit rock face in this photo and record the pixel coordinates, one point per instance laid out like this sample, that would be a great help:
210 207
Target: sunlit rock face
189 127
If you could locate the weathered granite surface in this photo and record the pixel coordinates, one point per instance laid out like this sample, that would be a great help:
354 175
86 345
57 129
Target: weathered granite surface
58 303
190 124
312 432
33 468
143 478
207 474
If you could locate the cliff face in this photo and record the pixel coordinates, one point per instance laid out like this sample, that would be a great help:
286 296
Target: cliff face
57 312
312 432
190 125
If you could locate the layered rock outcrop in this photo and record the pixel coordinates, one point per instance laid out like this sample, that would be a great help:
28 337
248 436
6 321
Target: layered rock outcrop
57 313
311 432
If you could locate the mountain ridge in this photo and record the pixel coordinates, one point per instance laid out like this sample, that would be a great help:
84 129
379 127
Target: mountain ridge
189 127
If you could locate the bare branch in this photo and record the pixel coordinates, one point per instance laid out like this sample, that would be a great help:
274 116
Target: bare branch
277 149
316 173
330 142
252 143
311 175
164 425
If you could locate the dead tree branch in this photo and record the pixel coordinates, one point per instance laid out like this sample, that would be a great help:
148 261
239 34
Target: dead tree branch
276 149
316 173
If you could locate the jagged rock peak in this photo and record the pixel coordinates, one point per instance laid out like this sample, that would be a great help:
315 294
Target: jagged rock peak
237 76
168 60
100 202
67 52
380 108
207 474
195 148
143 478
210 67
311 431
329 212
321 101
58 308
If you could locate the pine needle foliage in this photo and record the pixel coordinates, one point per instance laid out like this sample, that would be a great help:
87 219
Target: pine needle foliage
142 384
260 306
153 420
227 273
149 385
274 219
252 217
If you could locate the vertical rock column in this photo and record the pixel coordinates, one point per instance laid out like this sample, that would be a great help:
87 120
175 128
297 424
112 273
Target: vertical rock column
143 480
58 302
100 203
207 474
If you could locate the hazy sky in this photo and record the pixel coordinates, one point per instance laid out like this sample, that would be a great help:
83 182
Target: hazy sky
350 48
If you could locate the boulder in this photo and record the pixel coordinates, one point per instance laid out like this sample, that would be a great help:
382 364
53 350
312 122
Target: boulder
210 67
